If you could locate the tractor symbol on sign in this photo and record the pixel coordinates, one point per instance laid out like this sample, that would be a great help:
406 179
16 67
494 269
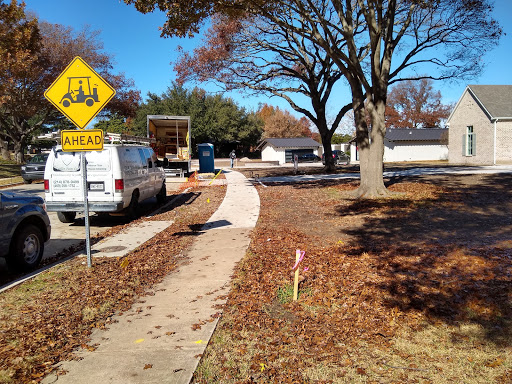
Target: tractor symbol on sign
77 95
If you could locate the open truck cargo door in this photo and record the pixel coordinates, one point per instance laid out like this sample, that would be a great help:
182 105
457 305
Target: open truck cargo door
172 141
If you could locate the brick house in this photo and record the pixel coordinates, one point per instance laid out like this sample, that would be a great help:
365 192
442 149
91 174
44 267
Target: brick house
480 126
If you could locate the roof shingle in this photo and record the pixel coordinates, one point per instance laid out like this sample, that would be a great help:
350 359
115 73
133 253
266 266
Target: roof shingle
420 134
292 142
496 99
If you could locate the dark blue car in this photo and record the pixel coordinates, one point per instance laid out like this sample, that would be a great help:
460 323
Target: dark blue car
339 157
24 228
308 158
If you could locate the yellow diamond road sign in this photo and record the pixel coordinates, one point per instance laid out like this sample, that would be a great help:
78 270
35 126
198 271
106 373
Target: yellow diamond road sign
79 93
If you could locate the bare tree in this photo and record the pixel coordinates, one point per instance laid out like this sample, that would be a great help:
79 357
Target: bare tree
251 54
385 42
374 43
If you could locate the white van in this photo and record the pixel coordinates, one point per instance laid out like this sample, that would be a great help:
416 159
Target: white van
118 178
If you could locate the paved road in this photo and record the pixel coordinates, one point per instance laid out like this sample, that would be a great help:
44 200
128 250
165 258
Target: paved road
400 173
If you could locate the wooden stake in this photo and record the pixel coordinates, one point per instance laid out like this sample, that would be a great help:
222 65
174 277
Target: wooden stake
296 280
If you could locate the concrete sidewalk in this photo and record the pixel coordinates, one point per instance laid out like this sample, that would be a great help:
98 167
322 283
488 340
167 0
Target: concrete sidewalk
160 339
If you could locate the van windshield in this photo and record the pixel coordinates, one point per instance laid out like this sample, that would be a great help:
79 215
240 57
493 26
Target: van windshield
97 161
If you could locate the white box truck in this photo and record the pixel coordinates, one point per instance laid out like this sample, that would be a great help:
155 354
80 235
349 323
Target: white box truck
172 142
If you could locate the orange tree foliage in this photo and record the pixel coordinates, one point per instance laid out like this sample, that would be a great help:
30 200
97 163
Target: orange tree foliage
279 123
415 104
32 56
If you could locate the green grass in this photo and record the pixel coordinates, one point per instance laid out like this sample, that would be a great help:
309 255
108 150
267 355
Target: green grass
285 294
10 172
9 169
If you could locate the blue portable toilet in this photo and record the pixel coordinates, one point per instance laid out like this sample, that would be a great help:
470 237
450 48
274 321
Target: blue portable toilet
206 159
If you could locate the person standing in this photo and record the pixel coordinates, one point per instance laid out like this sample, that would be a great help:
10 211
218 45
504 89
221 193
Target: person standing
232 156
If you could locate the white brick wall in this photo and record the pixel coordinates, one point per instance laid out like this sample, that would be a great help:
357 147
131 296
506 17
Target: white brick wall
504 142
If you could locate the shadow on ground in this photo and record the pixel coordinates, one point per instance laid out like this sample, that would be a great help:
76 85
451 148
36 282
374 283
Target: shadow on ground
448 255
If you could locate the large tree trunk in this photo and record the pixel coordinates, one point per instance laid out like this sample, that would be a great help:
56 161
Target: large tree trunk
372 181
4 150
371 148
326 135
18 152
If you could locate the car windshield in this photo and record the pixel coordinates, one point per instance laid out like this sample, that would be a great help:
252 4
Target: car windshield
39 158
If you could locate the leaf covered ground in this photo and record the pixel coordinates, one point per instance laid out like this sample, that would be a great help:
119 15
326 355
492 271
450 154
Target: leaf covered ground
43 320
416 288
411 289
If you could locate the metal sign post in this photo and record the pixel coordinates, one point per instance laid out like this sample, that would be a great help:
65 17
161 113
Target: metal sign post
80 93
83 165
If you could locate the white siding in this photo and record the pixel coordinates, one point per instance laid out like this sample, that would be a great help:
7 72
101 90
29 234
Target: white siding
353 152
408 151
269 153
414 151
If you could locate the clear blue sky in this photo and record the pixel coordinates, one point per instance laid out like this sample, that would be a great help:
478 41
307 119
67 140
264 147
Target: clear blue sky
140 52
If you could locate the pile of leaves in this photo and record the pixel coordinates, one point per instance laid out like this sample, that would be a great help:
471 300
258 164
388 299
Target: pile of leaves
413 288
46 318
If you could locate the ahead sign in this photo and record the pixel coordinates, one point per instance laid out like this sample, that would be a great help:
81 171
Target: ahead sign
86 140
79 93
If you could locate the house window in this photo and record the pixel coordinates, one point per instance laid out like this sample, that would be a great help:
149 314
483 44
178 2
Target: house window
469 142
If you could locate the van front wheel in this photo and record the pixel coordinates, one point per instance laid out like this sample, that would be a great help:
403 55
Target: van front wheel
66 217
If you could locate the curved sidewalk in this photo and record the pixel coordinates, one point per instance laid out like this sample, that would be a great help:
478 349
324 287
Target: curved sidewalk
160 339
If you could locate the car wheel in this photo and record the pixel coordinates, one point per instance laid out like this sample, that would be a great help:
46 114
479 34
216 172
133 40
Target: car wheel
27 181
27 249
133 208
66 217
162 195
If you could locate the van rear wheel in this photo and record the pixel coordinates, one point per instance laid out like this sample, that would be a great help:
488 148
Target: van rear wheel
66 217
162 194
133 208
